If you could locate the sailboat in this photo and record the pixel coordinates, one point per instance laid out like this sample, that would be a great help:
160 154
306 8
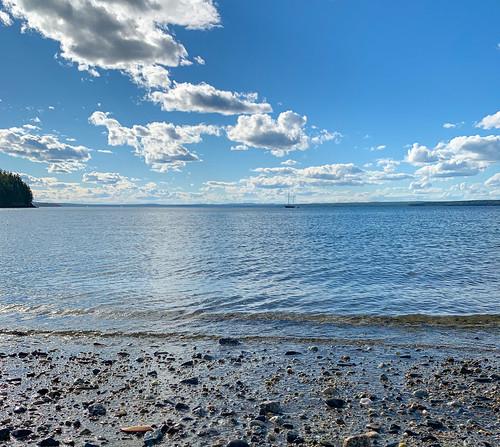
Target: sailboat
290 203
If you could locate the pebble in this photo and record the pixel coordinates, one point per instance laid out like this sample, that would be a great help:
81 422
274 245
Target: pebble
421 394
270 407
357 441
153 437
237 443
48 442
4 434
96 410
335 403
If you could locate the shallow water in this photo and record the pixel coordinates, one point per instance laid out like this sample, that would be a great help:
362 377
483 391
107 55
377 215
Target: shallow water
249 270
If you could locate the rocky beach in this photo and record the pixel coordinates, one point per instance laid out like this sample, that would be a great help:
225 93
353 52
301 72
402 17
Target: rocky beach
58 390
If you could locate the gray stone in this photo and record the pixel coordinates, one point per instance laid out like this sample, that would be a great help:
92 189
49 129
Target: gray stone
96 410
335 403
270 406
4 434
357 441
48 442
153 437
238 443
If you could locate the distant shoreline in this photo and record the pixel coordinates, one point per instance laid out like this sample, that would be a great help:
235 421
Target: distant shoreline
250 205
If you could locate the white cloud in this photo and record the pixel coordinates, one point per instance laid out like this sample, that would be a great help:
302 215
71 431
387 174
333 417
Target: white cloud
103 187
5 19
380 147
199 60
461 156
106 178
187 97
240 147
285 134
113 34
452 168
289 163
60 156
313 178
162 145
419 154
493 181
490 121
131 36
449 125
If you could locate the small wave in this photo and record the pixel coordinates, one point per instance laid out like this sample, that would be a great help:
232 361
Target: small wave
412 320
458 321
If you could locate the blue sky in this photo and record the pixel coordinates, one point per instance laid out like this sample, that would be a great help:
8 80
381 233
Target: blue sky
192 101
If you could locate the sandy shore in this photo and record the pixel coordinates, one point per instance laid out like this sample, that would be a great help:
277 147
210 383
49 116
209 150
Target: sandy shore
82 391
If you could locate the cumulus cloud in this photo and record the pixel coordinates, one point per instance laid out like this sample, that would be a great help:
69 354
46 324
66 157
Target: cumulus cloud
310 180
133 37
419 154
490 121
187 97
59 156
285 134
162 145
461 156
111 34
5 19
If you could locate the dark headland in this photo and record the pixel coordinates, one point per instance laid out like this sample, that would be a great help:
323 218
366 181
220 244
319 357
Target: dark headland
14 192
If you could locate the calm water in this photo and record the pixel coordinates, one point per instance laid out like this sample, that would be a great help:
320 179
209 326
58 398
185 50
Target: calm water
244 270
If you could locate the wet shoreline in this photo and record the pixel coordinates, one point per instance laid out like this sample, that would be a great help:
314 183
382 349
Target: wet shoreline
83 389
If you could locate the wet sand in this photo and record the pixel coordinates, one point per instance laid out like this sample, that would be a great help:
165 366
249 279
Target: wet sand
82 391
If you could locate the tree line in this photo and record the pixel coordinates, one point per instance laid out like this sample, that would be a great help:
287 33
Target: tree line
14 193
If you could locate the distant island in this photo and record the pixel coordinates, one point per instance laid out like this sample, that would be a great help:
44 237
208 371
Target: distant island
14 193
491 202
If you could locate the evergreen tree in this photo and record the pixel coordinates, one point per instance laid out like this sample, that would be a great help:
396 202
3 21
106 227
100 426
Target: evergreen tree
14 193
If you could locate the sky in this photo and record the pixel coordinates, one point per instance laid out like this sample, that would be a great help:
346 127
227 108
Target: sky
197 101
